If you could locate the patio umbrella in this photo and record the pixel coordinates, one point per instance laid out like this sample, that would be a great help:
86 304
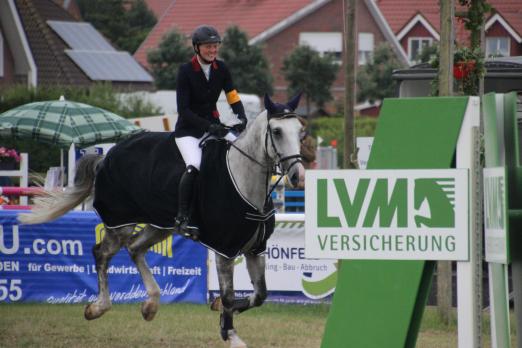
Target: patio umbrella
62 122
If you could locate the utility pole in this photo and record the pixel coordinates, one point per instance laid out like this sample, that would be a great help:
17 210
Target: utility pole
447 37
350 61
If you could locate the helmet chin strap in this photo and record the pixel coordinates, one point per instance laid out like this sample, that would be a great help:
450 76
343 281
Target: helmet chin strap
196 49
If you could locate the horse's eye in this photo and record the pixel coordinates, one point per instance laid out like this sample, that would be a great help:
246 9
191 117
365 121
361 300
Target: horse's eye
277 132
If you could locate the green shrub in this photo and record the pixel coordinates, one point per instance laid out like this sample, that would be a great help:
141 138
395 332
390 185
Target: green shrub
100 95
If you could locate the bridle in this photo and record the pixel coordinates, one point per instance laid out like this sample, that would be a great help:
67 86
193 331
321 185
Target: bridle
280 159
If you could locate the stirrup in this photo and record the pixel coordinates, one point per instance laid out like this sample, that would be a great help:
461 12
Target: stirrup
186 229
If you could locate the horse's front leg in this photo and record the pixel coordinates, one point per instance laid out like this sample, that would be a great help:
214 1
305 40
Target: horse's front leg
103 252
137 248
225 270
256 270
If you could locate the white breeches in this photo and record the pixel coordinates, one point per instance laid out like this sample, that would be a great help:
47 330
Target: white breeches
190 150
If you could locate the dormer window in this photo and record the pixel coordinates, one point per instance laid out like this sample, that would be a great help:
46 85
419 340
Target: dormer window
416 45
497 46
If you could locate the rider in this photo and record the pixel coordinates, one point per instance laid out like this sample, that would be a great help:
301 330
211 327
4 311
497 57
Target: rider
199 84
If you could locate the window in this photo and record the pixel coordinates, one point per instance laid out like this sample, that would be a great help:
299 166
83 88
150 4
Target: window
1 54
416 45
365 48
497 46
324 43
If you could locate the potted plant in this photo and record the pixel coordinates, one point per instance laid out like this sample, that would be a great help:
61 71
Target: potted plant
468 68
9 159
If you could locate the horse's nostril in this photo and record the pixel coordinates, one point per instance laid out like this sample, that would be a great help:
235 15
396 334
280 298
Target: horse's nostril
294 179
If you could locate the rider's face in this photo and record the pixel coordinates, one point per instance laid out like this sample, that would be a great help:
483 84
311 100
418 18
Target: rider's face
209 51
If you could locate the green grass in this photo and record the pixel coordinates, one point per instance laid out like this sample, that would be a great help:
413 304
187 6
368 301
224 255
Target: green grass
187 326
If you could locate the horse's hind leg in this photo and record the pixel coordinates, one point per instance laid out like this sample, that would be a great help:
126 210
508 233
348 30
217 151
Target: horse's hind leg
137 248
103 252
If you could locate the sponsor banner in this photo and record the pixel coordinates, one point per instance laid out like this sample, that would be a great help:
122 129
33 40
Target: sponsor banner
387 214
53 263
290 277
495 215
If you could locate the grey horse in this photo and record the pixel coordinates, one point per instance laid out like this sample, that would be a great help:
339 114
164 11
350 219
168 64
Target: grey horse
272 140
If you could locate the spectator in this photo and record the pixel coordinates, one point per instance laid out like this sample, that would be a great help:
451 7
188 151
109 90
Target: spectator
308 146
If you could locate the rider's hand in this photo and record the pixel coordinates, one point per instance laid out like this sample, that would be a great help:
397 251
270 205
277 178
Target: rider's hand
240 126
217 130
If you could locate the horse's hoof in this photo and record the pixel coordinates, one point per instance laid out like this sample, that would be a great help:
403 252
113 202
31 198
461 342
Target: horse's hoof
92 311
235 341
216 305
149 310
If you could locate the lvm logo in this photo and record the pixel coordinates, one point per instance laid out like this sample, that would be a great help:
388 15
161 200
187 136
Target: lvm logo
386 213
163 248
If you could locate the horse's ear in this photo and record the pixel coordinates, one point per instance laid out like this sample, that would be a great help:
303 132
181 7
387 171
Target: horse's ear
269 105
294 102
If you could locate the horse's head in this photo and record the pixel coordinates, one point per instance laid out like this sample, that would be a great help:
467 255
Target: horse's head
282 140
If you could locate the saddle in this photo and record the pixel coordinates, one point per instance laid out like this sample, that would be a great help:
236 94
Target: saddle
138 183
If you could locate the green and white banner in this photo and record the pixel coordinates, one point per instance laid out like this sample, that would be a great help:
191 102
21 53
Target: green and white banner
387 214
495 215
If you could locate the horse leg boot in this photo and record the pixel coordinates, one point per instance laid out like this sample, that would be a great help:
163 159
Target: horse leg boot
186 193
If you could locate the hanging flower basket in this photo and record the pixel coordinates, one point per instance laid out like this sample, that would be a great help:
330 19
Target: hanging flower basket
463 69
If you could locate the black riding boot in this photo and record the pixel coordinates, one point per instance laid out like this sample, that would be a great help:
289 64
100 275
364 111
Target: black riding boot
185 192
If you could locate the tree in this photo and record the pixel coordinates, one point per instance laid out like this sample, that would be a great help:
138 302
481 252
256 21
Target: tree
374 81
166 59
308 72
125 29
140 20
247 64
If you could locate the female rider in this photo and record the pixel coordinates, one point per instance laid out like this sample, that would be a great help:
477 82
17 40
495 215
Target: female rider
199 84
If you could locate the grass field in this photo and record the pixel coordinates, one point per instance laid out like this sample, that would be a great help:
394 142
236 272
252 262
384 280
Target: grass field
184 325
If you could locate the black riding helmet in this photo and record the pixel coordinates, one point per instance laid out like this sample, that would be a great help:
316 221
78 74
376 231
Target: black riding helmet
204 34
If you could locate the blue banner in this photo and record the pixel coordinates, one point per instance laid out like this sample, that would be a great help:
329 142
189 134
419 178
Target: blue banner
53 263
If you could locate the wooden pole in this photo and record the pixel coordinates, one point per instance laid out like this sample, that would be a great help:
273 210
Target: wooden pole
447 35
350 61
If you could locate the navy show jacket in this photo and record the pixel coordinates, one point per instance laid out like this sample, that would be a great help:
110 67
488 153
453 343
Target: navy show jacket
196 97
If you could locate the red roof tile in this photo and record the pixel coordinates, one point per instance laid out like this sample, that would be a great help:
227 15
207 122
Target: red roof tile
158 6
252 16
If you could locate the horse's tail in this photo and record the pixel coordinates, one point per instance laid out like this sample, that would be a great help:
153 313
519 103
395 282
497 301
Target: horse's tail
52 205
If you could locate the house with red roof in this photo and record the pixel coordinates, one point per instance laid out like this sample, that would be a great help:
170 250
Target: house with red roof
416 24
280 26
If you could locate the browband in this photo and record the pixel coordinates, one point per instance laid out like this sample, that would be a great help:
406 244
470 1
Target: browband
282 115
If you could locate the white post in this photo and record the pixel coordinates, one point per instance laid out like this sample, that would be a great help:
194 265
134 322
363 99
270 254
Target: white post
468 284
72 165
24 176
22 173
